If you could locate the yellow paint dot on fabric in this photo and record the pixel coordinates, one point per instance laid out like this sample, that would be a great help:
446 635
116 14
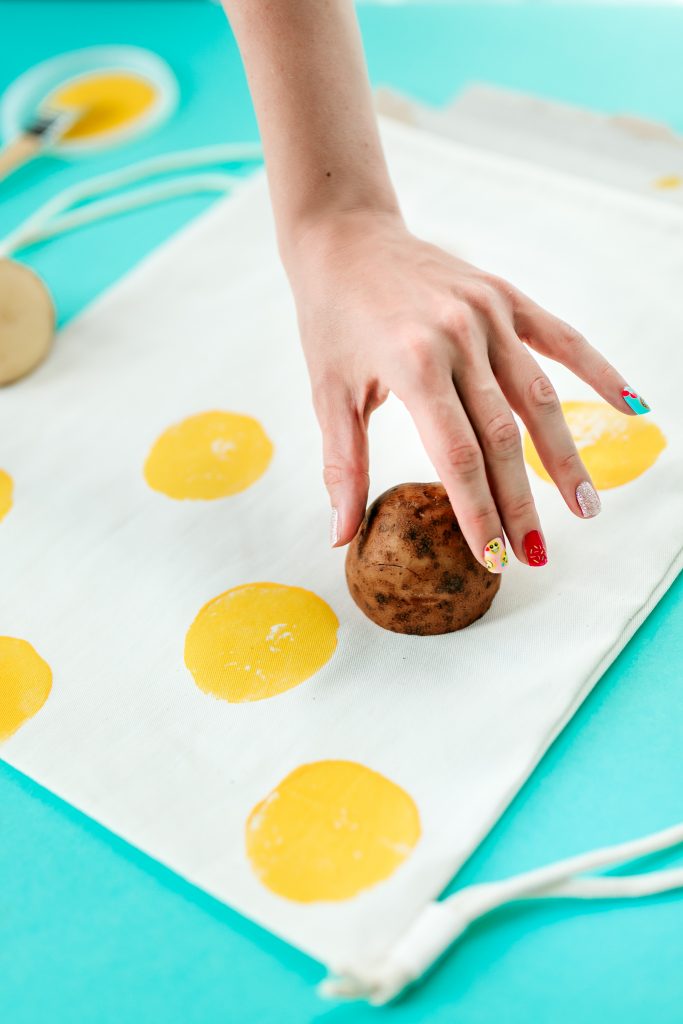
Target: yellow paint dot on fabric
615 448
25 684
258 640
208 456
669 181
109 101
6 492
329 830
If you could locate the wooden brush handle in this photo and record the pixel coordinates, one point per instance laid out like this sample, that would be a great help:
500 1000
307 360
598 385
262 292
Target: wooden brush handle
18 152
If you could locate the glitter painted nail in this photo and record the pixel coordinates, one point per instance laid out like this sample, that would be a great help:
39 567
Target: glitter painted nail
534 548
495 555
635 401
334 527
588 499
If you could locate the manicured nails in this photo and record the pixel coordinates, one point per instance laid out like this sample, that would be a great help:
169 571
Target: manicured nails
495 555
588 500
334 527
635 401
534 548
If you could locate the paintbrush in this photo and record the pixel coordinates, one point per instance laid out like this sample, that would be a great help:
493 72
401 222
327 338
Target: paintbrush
46 128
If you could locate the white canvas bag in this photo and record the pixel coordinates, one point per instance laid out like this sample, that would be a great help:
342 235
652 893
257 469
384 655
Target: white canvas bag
104 575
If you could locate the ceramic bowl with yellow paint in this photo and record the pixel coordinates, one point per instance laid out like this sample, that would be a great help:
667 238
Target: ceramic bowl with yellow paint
119 92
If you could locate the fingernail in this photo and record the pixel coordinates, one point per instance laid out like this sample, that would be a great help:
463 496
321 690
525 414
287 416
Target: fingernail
635 401
588 499
534 548
495 555
334 527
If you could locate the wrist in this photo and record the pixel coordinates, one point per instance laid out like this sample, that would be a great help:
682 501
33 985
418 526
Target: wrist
330 228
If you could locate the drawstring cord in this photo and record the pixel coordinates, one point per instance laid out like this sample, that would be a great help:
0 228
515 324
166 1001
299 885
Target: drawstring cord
52 217
442 922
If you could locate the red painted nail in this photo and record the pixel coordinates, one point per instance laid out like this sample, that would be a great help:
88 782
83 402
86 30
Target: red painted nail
534 548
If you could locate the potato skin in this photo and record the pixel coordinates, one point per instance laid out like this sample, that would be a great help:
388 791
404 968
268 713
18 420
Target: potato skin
409 568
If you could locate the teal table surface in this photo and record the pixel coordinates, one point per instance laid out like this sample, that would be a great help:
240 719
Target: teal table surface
91 929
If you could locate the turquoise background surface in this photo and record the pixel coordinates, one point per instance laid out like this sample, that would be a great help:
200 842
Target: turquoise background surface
92 930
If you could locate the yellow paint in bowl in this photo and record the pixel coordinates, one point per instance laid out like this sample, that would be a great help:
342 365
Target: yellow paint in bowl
329 830
615 448
110 101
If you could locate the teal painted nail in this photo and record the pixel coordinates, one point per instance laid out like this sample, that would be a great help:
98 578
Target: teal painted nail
635 401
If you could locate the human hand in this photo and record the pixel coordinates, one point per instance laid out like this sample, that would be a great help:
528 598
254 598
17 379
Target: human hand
379 310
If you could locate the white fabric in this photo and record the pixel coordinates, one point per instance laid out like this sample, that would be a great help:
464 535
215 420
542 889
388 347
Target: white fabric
104 576
442 923
629 152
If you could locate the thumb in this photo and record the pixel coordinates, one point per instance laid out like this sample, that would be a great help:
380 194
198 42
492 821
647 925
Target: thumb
345 462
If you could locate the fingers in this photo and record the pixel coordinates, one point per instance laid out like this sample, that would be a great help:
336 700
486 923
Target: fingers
533 398
345 459
500 442
561 342
452 446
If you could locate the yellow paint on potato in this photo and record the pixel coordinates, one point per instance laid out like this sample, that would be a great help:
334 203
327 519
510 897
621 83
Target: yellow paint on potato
25 684
110 101
259 640
208 456
6 493
329 830
615 448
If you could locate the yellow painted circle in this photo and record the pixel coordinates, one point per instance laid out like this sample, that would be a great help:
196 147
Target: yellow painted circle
615 448
258 640
6 489
108 101
329 830
207 456
25 684
669 181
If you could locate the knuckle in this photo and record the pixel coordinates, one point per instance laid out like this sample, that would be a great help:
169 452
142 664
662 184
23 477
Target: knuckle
418 369
542 395
335 473
606 372
520 507
569 462
458 322
501 289
332 474
482 515
570 338
463 457
481 296
419 352
501 435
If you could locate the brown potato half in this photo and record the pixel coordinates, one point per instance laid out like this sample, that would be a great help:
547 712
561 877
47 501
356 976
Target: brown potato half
409 567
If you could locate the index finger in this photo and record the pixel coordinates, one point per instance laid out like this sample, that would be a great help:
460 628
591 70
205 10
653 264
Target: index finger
560 341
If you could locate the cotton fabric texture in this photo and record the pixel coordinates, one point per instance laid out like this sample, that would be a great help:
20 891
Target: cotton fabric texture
105 574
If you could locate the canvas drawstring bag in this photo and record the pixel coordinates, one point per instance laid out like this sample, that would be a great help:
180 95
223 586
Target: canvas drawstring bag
181 658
